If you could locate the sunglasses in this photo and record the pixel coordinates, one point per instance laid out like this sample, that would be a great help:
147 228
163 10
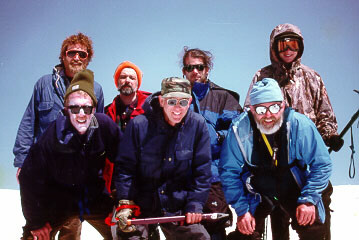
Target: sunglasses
75 109
173 102
73 53
285 43
190 68
274 108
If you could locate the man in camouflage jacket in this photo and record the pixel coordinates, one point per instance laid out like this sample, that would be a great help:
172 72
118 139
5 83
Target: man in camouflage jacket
303 90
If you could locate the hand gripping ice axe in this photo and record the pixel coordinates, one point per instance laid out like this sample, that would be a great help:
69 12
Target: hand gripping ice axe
205 216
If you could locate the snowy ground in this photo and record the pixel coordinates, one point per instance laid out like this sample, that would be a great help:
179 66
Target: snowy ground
345 218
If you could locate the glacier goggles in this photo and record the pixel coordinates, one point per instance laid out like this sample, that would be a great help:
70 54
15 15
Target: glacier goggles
75 109
261 110
173 102
73 53
190 68
285 43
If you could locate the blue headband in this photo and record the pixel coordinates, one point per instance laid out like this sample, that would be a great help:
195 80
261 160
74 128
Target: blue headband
266 90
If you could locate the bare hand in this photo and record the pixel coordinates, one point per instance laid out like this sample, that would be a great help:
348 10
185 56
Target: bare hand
246 223
305 214
42 233
192 218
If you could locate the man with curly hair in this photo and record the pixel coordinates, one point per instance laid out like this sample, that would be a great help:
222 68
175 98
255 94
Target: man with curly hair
218 106
47 102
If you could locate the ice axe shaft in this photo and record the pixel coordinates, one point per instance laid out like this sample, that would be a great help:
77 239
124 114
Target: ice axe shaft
206 216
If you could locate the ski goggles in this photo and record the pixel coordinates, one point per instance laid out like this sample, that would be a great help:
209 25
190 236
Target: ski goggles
173 102
261 110
75 109
190 68
285 43
73 53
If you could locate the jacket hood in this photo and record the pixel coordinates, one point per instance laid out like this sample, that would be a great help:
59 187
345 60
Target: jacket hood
284 29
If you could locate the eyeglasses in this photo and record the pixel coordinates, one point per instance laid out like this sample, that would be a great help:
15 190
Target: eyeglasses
285 43
173 102
75 109
190 68
261 110
73 53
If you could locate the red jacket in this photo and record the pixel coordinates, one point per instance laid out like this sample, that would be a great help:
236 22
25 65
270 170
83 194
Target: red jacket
110 110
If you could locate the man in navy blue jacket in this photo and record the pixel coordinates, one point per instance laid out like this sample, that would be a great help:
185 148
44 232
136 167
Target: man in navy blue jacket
47 102
218 106
61 178
164 165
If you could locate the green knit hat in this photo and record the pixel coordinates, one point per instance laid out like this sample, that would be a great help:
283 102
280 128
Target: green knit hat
82 80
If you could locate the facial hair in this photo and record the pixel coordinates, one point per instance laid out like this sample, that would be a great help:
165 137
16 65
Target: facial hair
126 90
273 129
77 66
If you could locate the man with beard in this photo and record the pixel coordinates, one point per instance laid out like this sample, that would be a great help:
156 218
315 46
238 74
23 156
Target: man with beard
124 107
61 176
274 157
304 91
47 102
128 104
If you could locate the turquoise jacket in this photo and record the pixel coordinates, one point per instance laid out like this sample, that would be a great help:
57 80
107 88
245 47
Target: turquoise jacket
305 144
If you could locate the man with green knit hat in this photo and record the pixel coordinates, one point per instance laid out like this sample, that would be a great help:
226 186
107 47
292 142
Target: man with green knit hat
61 178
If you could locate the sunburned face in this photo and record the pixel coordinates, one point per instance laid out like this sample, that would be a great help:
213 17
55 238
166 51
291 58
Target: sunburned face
268 123
80 121
75 63
174 114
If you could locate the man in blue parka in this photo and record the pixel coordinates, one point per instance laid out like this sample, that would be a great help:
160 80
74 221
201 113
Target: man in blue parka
164 165
61 178
47 102
274 157
218 106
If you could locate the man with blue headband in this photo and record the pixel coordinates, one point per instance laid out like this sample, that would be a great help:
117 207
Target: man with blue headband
274 157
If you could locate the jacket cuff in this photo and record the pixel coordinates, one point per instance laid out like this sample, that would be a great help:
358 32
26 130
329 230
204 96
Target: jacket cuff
194 207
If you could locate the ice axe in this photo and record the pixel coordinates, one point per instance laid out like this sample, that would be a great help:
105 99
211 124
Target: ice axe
349 124
206 217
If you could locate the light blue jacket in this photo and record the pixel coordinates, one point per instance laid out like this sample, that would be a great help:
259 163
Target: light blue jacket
304 144
45 106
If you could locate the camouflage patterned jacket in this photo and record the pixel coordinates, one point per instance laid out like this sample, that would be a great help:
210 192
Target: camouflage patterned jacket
302 87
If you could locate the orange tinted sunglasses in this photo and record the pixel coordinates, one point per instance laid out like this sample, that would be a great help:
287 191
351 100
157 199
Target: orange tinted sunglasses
285 43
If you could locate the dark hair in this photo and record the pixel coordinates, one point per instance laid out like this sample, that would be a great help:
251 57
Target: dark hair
75 39
206 56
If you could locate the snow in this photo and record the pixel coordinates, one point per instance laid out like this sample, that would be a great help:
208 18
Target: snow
345 218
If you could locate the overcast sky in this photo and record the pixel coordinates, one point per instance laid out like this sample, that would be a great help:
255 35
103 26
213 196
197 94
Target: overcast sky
152 34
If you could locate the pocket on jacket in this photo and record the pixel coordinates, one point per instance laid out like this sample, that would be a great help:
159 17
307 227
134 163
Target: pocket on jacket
45 112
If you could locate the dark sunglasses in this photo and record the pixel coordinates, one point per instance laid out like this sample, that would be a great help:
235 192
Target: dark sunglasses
285 43
173 102
73 53
261 110
75 109
190 68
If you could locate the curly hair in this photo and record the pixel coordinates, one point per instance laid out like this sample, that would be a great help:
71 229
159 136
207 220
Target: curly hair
198 53
75 39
